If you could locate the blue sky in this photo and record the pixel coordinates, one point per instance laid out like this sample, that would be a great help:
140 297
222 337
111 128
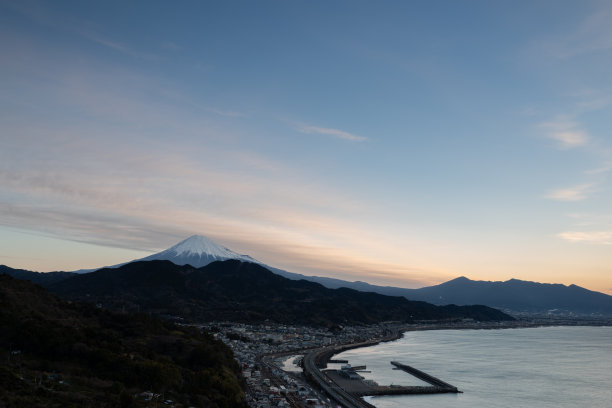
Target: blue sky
400 143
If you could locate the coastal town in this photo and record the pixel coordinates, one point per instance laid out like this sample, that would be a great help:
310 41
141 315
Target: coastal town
270 357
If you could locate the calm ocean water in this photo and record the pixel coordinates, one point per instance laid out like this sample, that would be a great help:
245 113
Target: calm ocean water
537 367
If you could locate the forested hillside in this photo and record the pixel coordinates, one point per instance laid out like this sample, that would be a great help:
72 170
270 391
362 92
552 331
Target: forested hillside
60 354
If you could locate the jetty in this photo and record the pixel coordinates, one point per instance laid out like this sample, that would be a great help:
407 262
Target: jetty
436 382
362 388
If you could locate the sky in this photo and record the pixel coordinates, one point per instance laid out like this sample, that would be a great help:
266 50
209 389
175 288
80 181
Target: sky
399 143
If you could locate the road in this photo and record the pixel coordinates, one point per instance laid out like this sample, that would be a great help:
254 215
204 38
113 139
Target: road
268 365
335 392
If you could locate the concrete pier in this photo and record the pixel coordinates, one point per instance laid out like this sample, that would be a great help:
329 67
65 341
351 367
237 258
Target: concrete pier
359 388
436 382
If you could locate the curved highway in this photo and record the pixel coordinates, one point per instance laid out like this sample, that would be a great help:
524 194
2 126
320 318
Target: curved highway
335 392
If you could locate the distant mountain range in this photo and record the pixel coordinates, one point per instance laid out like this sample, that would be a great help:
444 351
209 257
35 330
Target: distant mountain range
517 296
513 295
248 292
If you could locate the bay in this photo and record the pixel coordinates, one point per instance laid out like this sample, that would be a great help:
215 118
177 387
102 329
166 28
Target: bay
534 367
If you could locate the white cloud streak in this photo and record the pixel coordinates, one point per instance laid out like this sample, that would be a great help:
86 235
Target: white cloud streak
577 193
571 138
589 237
567 134
340 134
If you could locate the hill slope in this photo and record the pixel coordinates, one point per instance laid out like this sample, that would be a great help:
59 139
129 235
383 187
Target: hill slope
244 291
40 278
57 354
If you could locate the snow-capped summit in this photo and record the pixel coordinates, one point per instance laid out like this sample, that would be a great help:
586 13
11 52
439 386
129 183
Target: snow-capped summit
197 251
199 244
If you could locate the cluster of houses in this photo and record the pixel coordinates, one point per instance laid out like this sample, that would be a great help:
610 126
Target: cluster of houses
249 340
285 388
261 350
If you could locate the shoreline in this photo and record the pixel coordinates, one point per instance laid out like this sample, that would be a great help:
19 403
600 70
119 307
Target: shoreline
430 327
398 333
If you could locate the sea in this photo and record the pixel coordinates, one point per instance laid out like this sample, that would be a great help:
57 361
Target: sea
507 368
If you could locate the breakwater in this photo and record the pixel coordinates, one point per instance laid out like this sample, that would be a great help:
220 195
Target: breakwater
421 375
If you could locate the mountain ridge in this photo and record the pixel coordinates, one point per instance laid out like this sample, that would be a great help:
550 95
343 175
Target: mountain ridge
518 296
244 291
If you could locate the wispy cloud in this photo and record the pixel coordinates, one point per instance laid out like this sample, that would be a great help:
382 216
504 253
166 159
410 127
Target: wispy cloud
576 193
592 103
117 46
567 133
592 34
590 237
571 138
170 45
340 134
606 167
224 112
110 44
48 16
131 189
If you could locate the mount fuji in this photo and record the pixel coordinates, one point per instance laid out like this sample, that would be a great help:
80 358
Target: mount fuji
197 251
